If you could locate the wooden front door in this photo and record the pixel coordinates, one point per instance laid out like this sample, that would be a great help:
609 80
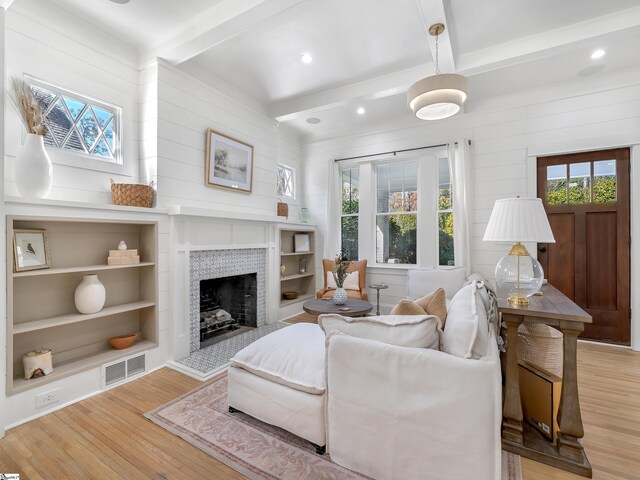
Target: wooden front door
586 196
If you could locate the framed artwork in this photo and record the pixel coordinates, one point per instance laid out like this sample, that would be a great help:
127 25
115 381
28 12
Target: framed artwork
30 249
229 162
301 242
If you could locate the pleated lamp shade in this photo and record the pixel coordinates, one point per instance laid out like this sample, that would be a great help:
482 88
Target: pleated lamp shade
518 220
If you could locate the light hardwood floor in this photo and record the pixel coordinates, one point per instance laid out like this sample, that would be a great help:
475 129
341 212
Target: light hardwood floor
106 436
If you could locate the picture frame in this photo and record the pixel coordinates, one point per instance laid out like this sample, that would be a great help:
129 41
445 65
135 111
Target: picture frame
30 249
301 243
229 162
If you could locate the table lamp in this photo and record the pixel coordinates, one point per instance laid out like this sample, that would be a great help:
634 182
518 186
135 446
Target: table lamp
519 220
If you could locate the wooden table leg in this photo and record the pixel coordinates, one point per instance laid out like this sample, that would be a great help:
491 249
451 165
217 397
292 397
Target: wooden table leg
569 418
512 407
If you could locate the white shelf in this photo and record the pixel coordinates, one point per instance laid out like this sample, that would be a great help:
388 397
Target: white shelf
301 298
293 254
33 325
297 275
61 370
83 268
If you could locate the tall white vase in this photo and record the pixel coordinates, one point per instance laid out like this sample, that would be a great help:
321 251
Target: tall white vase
33 170
90 295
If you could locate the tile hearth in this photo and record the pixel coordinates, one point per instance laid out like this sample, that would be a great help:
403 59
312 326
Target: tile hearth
209 360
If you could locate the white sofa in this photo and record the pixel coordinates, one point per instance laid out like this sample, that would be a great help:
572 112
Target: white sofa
390 405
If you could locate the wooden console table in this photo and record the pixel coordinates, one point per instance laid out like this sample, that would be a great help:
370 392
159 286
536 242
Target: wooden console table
555 309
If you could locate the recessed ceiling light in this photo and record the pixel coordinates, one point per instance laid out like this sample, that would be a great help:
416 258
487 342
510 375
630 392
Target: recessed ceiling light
306 58
313 120
360 111
597 54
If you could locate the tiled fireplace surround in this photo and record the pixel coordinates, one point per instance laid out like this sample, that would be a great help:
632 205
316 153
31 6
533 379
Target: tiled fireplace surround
207 264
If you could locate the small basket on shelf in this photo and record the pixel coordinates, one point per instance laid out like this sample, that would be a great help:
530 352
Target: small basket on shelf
132 194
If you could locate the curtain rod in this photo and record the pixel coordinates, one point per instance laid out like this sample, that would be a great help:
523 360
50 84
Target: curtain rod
394 152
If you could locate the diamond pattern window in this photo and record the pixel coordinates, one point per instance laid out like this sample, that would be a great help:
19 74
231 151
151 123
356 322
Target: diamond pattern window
286 178
79 124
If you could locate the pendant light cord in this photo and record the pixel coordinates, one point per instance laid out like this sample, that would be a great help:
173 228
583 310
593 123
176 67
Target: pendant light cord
437 66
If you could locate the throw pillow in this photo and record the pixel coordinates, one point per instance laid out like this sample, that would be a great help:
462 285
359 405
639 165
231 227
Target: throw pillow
467 332
351 282
407 307
422 331
435 304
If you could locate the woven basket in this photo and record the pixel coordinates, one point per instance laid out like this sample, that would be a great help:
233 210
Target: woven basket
283 209
132 194
541 346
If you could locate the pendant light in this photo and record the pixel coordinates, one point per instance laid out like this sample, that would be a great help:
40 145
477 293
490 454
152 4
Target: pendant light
438 96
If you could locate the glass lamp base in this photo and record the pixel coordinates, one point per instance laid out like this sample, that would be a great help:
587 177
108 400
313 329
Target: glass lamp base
518 300
518 276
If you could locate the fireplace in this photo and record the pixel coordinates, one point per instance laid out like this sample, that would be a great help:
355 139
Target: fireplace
228 305
240 268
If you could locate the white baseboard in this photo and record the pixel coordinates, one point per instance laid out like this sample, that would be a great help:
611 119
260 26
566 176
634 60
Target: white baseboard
190 372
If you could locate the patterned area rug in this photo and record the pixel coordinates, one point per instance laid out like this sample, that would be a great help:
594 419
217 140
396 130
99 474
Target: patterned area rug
253 448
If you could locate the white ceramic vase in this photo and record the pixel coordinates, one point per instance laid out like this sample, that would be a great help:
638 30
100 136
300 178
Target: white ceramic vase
340 296
90 295
33 170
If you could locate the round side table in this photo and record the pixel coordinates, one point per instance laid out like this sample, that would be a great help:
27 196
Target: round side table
378 287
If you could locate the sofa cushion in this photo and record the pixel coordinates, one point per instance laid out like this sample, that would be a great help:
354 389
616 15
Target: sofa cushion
292 356
434 303
423 331
407 307
428 280
467 332
351 281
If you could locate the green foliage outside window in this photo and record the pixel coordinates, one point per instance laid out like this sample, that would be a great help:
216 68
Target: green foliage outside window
604 191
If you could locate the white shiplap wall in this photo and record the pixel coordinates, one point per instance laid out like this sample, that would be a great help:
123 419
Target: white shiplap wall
52 45
595 113
186 108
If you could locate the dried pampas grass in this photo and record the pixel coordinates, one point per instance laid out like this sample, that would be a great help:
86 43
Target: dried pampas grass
27 106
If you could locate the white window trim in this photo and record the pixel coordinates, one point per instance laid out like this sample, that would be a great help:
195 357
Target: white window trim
83 160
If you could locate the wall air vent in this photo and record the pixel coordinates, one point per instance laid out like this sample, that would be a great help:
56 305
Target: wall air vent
121 370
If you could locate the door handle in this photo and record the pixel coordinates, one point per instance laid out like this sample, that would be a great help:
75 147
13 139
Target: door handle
542 249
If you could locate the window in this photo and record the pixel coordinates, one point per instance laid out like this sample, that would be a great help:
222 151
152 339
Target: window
580 183
286 178
349 212
445 214
79 124
396 212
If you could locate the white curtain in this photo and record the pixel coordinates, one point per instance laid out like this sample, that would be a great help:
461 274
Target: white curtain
332 240
460 162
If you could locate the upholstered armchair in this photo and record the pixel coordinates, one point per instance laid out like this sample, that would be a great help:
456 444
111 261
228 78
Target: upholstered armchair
360 266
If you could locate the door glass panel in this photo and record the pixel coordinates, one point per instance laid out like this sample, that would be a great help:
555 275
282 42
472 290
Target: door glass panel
580 183
604 181
556 184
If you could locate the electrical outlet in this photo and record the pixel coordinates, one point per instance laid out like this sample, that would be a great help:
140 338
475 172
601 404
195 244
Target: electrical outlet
47 398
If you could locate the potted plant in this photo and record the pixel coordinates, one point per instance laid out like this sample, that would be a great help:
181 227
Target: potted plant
340 267
33 170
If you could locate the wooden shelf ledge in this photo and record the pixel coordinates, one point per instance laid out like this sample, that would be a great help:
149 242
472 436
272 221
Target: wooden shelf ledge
80 269
297 275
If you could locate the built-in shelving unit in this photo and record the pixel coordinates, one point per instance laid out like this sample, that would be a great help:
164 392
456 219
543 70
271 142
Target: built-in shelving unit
301 282
41 310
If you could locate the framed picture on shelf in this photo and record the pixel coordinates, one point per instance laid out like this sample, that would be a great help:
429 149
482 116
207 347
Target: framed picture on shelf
30 249
229 162
301 242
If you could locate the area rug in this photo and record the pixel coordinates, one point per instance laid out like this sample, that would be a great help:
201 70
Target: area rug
253 448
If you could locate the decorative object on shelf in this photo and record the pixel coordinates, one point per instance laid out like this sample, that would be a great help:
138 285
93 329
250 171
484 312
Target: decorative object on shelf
441 95
37 363
123 257
378 287
232 165
283 209
301 243
33 169
122 245
290 295
340 267
132 194
283 270
303 215
518 274
302 265
90 295
30 249
123 341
